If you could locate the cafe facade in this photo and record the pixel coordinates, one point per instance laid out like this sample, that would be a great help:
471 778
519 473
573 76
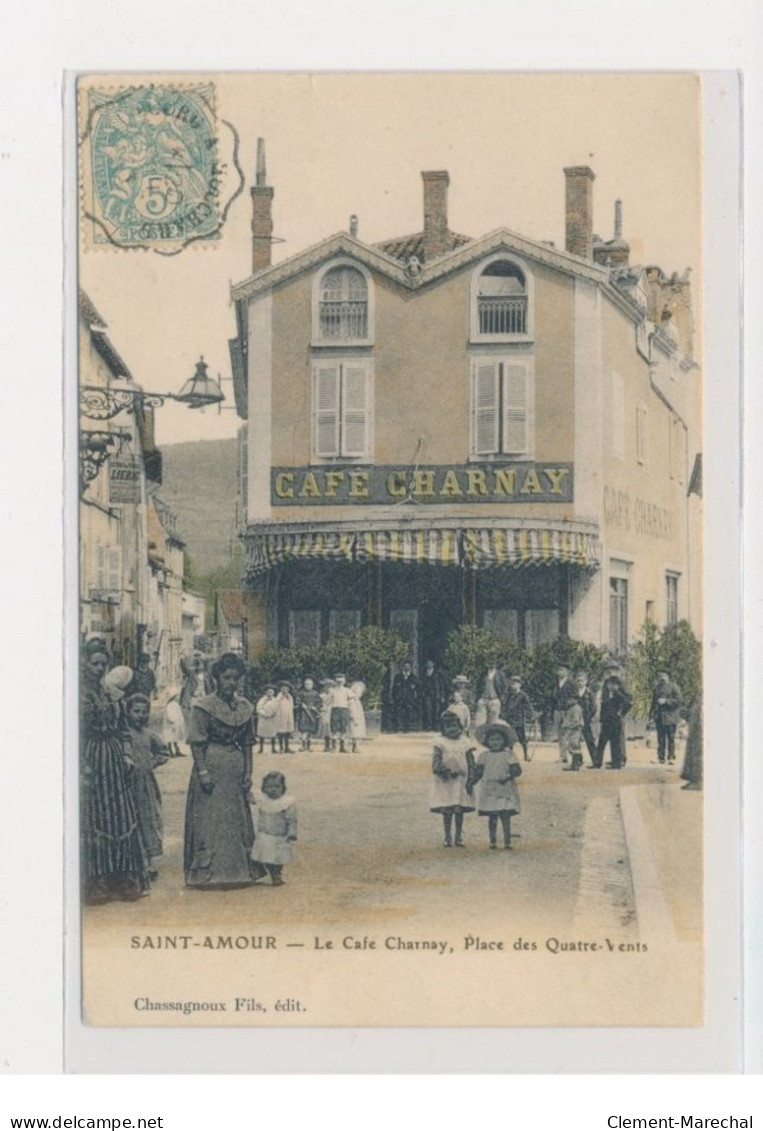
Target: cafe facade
443 430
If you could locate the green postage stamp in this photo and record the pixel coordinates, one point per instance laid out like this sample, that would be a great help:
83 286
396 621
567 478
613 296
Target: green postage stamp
152 176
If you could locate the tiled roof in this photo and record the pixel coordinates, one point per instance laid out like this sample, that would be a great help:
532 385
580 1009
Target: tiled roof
232 604
403 247
88 311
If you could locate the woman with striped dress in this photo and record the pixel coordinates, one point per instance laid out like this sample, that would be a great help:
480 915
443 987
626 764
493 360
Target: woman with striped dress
114 861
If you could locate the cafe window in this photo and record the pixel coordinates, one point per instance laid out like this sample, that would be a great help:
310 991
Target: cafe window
343 621
541 627
502 407
503 623
304 627
343 409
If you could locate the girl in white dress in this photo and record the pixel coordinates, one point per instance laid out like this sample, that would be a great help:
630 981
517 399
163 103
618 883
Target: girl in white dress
267 723
356 729
452 778
496 771
275 827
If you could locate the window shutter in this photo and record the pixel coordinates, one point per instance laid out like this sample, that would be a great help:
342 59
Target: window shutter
515 423
100 566
326 410
243 448
355 411
114 582
485 407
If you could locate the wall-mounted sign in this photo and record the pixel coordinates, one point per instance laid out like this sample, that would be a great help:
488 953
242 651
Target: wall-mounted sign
124 480
647 519
469 483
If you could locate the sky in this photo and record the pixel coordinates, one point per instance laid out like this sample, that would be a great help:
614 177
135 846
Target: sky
339 144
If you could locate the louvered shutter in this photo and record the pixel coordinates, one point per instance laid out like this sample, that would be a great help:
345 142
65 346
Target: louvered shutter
326 410
114 580
355 400
485 407
515 409
100 566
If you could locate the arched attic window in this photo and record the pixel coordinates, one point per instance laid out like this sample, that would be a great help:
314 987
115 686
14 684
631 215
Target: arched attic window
501 293
342 308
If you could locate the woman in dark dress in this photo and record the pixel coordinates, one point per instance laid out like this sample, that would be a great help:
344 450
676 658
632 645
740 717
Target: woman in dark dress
218 823
693 770
114 860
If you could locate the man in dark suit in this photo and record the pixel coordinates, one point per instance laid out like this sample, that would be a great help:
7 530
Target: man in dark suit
432 696
615 705
405 696
517 710
665 713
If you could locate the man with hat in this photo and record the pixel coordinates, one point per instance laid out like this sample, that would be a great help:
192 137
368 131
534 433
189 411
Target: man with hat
518 712
665 713
405 696
493 689
615 705
565 698
432 696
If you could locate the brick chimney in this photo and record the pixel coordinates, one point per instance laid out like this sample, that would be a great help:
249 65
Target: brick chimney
579 211
262 209
615 252
436 235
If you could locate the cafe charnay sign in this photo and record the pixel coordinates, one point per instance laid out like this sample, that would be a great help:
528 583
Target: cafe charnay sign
476 483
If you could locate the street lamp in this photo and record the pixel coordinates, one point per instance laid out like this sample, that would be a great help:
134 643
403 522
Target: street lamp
104 402
101 402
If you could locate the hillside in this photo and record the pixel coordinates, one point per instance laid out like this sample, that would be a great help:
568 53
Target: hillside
199 484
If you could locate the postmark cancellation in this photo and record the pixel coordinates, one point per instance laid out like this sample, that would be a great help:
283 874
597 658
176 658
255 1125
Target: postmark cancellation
151 172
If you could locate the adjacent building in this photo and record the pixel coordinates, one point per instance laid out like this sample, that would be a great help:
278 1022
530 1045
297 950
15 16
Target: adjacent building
131 557
441 429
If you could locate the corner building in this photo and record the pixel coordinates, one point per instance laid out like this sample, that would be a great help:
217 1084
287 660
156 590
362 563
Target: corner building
445 430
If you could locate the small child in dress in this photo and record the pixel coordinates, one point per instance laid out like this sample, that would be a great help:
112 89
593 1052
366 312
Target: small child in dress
453 773
174 724
324 727
496 771
275 827
356 727
148 752
308 712
284 717
267 727
458 707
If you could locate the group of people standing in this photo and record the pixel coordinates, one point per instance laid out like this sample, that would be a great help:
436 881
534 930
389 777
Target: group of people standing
333 716
234 834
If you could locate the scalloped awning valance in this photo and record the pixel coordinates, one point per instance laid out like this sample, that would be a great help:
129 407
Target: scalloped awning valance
468 547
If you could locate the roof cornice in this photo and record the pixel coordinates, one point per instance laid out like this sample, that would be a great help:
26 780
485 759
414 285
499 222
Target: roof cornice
338 244
372 257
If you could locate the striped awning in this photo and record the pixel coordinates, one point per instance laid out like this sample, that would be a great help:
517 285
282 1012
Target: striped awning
470 547
423 547
484 548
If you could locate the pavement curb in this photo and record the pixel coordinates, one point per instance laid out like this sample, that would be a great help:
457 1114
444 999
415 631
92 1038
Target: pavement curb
652 914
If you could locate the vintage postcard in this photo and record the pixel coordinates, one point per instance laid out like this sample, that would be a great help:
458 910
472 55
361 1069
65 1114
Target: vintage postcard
390 550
